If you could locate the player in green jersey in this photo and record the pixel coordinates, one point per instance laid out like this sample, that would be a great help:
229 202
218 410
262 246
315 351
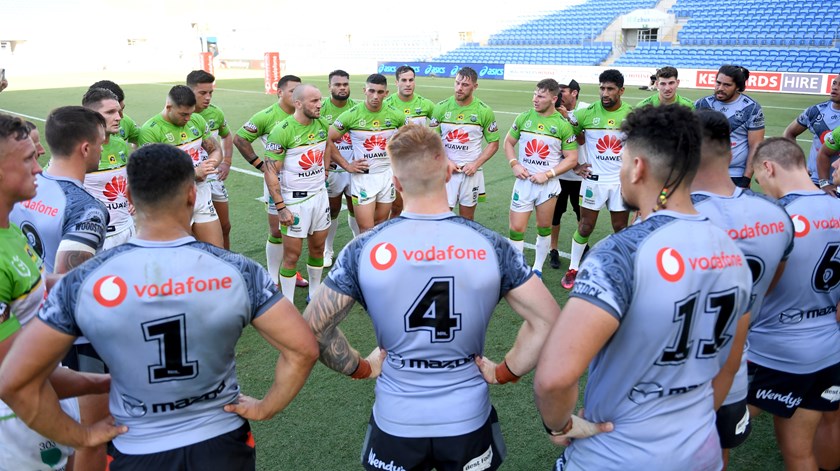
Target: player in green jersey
463 121
259 126
667 82
549 149
178 125
418 110
202 84
338 180
830 148
129 130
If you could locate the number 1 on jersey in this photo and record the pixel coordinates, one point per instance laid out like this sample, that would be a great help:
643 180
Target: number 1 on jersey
433 310
170 333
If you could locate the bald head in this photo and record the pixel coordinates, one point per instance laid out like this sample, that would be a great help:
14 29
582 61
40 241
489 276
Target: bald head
418 160
307 100
303 90
781 151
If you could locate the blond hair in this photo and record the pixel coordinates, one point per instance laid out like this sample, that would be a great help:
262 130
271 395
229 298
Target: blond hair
418 159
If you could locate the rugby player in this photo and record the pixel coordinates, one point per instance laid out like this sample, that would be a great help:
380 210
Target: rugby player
202 84
178 407
639 318
667 82
179 125
259 126
764 232
416 108
548 149
370 125
129 130
820 119
567 104
825 158
462 121
794 342
432 405
746 119
35 136
599 125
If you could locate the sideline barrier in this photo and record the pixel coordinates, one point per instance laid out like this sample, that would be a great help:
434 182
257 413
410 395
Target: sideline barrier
445 69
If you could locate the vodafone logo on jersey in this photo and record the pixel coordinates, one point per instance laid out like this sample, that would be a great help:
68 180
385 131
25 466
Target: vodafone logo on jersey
312 157
609 143
110 291
115 188
801 226
670 264
375 142
538 147
383 256
457 135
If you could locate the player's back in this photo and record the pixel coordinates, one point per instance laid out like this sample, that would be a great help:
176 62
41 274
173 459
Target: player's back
796 330
430 284
165 317
676 284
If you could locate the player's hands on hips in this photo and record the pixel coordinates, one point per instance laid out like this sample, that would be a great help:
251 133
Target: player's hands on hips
248 408
487 368
203 169
539 178
469 169
453 167
521 172
223 170
358 166
376 358
286 217
584 170
581 428
101 432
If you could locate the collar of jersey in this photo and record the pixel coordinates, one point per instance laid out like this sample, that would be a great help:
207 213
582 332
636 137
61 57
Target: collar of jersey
162 243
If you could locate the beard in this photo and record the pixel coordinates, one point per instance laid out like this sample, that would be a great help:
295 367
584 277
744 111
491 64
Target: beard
338 97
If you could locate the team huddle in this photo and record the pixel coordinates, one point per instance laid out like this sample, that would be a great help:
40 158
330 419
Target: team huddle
121 302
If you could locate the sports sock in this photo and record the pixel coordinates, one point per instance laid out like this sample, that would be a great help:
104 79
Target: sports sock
518 240
328 248
287 283
314 268
354 226
543 240
578 246
274 256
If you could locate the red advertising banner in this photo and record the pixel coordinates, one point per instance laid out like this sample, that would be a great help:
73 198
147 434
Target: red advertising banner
831 78
207 62
758 81
272 72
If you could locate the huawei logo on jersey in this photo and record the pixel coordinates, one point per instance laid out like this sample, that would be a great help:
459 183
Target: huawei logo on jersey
110 291
609 143
345 138
375 142
801 226
457 135
670 264
115 188
538 147
383 256
312 157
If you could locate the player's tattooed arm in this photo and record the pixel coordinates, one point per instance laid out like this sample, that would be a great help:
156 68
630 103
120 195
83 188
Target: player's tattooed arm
247 150
214 151
66 260
324 314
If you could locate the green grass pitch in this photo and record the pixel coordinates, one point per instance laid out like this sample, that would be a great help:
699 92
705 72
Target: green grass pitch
324 427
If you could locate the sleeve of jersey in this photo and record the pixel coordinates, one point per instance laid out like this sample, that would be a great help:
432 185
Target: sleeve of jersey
344 275
88 227
605 278
514 128
146 135
576 118
491 128
344 119
512 265
9 324
756 119
250 131
57 311
437 115
274 148
804 119
261 289
569 139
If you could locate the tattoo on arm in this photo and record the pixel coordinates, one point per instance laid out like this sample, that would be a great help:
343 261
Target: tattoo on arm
323 316
272 181
70 259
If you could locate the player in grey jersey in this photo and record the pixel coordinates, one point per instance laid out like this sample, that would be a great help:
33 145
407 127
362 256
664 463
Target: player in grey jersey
432 404
652 313
764 231
164 311
794 341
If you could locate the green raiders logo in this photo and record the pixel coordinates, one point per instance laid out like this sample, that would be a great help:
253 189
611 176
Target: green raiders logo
474 118
211 123
552 130
322 134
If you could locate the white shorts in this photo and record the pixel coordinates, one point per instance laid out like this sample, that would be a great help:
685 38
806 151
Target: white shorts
595 196
528 195
25 449
203 211
465 191
113 239
311 214
338 183
218 192
373 187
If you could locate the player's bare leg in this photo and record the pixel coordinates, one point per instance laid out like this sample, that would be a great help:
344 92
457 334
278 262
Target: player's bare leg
619 219
381 213
796 439
467 212
588 219
274 252
827 441
518 226
365 215
210 232
397 206
223 211
351 216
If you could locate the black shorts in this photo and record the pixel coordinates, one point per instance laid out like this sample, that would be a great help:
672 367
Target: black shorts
733 424
782 393
232 451
483 448
83 357
569 192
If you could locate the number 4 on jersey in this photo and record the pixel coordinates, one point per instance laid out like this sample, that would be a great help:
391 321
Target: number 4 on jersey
433 310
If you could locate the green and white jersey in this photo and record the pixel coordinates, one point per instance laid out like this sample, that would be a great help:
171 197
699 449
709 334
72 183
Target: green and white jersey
654 100
108 183
542 139
129 130
218 126
832 140
261 124
301 148
22 288
187 138
571 175
369 132
602 129
462 128
330 112
418 110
